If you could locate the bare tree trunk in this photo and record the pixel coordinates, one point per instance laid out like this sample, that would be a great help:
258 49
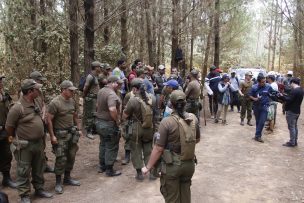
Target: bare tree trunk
106 30
174 33
74 47
207 51
142 33
270 37
192 35
280 39
160 34
149 33
89 6
275 36
33 6
43 44
217 34
124 28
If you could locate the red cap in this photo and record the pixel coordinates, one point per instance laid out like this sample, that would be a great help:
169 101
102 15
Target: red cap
219 70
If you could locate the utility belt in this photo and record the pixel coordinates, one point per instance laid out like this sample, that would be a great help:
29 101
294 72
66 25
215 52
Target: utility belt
92 96
103 120
192 100
67 133
18 144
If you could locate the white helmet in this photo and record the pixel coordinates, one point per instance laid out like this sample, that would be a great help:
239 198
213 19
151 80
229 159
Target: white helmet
290 72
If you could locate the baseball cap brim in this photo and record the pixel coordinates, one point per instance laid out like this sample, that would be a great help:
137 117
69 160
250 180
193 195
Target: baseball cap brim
73 88
120 81
41 78
37 86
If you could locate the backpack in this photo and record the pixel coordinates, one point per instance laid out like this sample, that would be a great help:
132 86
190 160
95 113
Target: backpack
187 134
146 114
82 82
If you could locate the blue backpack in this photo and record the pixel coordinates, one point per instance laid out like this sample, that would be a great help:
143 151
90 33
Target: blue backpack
82 82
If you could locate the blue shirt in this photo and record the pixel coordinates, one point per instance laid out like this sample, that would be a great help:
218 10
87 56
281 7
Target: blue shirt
149 86
262 92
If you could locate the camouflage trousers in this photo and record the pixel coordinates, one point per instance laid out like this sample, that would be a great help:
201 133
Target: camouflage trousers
124 134
89 109
30 161
246 106
109 142
141 145
65 151
175 182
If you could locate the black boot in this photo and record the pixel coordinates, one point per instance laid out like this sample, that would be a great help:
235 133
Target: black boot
127 157
7 181
110 172
58 186
139 176
43 194
25 199
69 181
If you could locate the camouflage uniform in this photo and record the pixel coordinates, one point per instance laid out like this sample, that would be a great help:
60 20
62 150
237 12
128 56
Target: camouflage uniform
246 102
24 119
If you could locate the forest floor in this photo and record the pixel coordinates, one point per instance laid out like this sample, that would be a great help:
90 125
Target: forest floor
231 168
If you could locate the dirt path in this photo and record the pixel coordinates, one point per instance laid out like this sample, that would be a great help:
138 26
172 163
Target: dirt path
232 168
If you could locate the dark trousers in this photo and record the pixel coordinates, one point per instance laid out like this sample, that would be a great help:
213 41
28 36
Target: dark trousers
235 100
260 113
292 121
5 156
213 104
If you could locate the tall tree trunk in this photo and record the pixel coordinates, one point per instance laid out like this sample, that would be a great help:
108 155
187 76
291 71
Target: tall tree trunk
43 44
74 47
217 34
106 30
192 34
149 33
274 46
124 28
280 39
89 6
270 37
174 33
33 8
142 33
207 50
160 33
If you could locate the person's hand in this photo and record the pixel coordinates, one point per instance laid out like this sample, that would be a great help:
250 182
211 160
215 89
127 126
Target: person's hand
145 170
10 139
80 133
241 94
54 140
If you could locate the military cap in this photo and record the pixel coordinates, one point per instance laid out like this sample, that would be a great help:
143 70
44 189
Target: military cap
29 84
194 72
36 75
213 67
140 71
249 73
114 78
96 64
106 66
177 95
137 82
66 84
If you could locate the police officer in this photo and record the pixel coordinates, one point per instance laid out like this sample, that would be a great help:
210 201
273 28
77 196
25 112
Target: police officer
24 123
175 142
107 125
193 92
5 153
140 136
90 91
260 94
246 102
64 129
40 101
